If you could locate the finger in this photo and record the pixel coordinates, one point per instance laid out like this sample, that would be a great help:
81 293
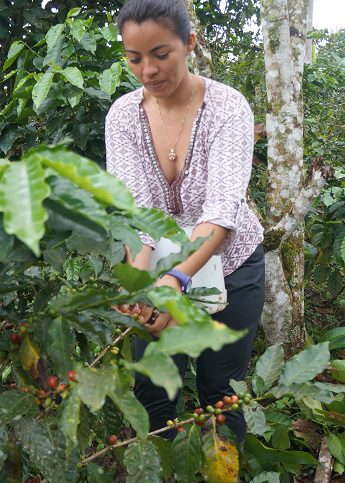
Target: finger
124 308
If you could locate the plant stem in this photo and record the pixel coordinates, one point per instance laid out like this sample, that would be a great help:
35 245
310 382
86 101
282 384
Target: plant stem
132 440
3 366
106 349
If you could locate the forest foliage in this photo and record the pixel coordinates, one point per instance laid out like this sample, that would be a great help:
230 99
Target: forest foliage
66 366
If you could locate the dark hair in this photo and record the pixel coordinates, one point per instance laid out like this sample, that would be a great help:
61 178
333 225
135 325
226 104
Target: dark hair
172 13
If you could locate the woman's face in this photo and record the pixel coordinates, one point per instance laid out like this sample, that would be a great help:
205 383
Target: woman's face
156 56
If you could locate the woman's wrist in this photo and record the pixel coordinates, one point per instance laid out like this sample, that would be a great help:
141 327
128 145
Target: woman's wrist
169 281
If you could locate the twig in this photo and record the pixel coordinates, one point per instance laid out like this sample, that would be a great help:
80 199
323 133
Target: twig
132 440
324 470
106 349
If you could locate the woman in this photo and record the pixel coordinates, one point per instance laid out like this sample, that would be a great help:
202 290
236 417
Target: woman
184 144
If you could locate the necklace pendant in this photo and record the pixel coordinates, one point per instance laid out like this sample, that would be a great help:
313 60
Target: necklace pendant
172 155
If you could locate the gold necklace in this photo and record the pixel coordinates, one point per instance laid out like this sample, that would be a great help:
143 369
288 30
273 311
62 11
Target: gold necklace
172 153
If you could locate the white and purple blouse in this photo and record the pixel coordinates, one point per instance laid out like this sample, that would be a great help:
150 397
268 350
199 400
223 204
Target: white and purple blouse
212 184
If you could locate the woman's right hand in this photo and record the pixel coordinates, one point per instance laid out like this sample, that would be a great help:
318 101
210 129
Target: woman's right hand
143 312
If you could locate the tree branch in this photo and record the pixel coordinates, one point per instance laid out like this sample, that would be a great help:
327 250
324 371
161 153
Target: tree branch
316 179
106 349
132 440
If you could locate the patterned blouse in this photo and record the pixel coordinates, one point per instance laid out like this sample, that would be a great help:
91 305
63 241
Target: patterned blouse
212 185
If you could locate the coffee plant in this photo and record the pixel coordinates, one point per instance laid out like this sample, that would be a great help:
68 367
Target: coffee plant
65 349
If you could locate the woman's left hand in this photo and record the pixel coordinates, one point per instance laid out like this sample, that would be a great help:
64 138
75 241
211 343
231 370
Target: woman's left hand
163 321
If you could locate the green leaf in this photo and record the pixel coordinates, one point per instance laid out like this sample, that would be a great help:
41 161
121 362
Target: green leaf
15 49
238 386
179 306
335 280
37 444
269 365
127 235
74 12
88 176
112 418
73 76
110 32
186 454
78 201
187 249
41 88
60 347
131 278
77 29
280 438
267 477
110 79
8 137
95 384
255 419
162 371
298 391
24 214
305 365
89 43
336 338
6 242
142 463
267 456
337 370
3 446
70 420
134 412
163 447
325 386
88 299
14 405
53 35
97 93
193 338
339 246
336 448
95 330
157 224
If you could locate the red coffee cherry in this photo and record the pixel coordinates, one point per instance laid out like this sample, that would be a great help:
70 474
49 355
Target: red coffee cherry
220 418
227 400
15 338
219 405
53 381
199 411
112 439
72 375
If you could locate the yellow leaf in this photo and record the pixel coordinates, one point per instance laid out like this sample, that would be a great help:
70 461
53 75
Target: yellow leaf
220 462
29 355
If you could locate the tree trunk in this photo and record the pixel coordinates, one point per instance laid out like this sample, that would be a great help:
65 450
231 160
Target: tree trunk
289 196
309 48
202 59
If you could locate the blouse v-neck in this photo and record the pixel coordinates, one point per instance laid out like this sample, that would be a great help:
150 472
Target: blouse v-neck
171 189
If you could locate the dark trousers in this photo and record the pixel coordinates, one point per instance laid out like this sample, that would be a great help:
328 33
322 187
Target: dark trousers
246 291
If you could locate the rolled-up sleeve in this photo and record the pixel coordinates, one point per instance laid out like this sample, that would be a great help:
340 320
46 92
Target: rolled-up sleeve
229 164
124 161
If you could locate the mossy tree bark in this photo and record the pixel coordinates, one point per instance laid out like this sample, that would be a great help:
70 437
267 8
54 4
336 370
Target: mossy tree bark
289 194
202 58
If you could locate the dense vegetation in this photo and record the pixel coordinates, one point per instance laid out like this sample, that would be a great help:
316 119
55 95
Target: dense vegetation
66 403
